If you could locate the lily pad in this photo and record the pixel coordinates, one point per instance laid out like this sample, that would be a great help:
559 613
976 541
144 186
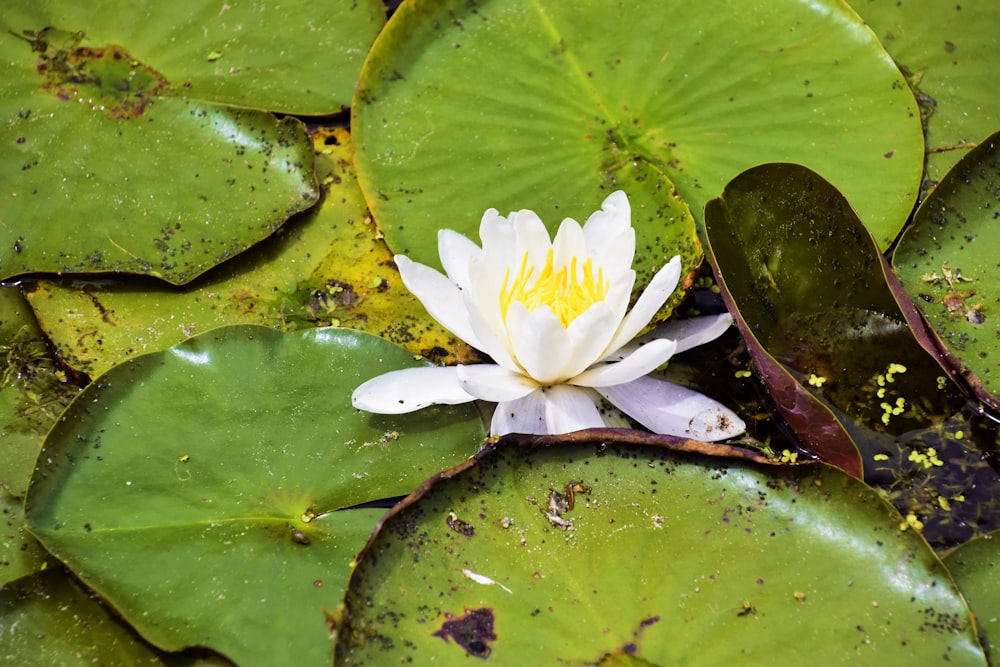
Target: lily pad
326 266
946 262
33 392
948 51
295 57
976 568
48 619
579 555
109 165
206 491
838 351
550 105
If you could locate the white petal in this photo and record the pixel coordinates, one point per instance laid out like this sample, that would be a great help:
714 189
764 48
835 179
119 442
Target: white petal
540 343
554 410
610 236
441 297
489 382
568 244
651 300
666 408
589 333
693 331
688 333
488 327
498 238
457 252
532 238
641 362
410 389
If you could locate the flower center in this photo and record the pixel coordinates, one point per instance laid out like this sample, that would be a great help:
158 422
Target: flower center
566 291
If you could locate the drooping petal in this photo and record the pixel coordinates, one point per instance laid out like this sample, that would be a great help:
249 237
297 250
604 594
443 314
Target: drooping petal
397 392
666 408
553 410
693 331
441 297
489 382
641 362
540 343
688 333
457 252
651 300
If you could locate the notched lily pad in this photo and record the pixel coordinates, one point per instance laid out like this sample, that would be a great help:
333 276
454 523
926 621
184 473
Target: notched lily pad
210 492
562 561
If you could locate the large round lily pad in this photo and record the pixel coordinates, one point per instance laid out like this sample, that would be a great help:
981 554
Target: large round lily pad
520 104
204 491
584 555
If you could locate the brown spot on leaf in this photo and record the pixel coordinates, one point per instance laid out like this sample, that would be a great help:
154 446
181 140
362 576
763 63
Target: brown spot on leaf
473 632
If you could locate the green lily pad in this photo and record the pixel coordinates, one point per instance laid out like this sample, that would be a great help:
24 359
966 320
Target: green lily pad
948 50
109 165
976 568
204 491
20 553
839 352
48 619
519 104
326 266
33 393
946 262
295 57
578 555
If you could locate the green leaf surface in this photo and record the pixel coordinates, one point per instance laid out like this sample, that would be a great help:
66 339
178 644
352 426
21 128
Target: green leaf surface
204 491
575 555
103 171
948 50
20 552
549 105
33 392
48 619
976 568
946 262
326 266
293 57
810 287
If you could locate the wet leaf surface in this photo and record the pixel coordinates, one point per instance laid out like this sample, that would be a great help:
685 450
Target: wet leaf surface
326 266
836 350
946 262
229 527
579 554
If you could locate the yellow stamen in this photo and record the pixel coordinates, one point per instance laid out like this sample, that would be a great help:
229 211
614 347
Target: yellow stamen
564 291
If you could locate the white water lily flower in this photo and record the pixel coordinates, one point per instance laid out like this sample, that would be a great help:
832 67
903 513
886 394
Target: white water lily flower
552 315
